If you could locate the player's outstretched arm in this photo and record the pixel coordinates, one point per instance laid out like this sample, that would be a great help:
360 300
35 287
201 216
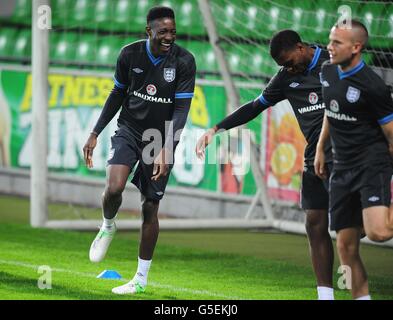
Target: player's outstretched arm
240 116
319 161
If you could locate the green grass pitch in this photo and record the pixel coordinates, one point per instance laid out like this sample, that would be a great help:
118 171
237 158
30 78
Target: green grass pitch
204 265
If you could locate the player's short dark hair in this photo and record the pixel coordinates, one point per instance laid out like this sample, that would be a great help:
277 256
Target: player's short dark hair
282 41
159 12
357 24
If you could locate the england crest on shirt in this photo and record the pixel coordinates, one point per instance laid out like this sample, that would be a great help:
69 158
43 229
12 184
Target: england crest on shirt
169 74
353 94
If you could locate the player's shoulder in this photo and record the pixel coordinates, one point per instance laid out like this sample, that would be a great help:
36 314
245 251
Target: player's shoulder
327 66
372 79
185 57
133 47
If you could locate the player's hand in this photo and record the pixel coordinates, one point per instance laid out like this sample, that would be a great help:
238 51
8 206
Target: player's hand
161 165
319 163
203 142
88 150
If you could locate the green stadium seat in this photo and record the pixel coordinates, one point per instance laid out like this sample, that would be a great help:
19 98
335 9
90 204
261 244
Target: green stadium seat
108 50
261 63
371 15
138 18
64 47
22 45
204 55
226 14
188 18
385 33
325 16
234 55
123 41
82 13
7 41
22 12
86 48
62 12
123 15
272 17
302 15
104 14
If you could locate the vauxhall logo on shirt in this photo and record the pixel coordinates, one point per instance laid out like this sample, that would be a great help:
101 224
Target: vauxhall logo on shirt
151 92
313 99
334 112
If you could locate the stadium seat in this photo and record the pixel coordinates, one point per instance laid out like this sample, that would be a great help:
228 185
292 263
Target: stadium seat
64 47
7 41
104 14
122 15
22 44
188 18
123 41
385 38
22 12
62 12
234 56
371 15
82 14
301 17
204 55
325 16
86 48
268 66
108 50
227 18
138 18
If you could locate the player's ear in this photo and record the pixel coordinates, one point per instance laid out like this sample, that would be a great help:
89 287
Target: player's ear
148 31
357 47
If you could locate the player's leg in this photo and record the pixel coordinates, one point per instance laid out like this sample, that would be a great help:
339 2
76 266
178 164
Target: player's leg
117 175
149 229
376 197
148 239
377 222
315 202
348 241
121 159
152 192
321 251
346 219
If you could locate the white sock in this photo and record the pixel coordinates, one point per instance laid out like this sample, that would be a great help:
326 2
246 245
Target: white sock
143 271
368 297
325 293
109 223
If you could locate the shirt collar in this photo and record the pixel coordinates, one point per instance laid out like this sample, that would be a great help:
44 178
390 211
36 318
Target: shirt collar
351 72
315 59
152 58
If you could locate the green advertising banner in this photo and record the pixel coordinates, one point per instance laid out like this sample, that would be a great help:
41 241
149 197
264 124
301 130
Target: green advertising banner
75 103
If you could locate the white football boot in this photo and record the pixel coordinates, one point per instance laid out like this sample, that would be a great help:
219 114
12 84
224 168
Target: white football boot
101 243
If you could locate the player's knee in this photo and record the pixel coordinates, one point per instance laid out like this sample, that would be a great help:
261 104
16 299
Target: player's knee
347 248
316 223
379 235
113 189
149 211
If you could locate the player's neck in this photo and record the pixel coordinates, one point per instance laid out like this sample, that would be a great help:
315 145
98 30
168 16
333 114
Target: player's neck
351 64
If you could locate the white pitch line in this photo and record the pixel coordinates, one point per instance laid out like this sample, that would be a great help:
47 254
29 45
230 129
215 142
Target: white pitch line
153 284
